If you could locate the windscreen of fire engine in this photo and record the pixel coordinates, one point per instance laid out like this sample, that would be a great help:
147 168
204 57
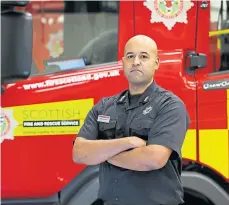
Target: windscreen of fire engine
219 35
73 34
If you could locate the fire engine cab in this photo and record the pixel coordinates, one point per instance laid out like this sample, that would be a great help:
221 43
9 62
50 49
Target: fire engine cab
59 58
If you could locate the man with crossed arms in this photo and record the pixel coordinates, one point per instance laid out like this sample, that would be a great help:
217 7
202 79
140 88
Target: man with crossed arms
136 136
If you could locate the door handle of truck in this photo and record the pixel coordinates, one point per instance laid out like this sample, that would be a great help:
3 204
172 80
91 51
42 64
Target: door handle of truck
195 60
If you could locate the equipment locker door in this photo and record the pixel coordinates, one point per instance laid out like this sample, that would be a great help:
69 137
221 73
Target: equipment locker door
213 87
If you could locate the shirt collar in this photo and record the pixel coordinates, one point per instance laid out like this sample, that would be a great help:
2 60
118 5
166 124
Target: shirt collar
145 97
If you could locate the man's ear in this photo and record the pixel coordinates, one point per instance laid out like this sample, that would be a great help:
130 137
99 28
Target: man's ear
157 63
123 59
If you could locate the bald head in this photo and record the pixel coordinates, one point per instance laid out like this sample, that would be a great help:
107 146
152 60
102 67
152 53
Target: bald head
140 60
146 43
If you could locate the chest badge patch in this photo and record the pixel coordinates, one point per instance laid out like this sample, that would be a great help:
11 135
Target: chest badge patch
147 110
169 12
104 118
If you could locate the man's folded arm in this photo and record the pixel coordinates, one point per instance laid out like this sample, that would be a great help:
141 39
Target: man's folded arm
88 149
92 152
164 141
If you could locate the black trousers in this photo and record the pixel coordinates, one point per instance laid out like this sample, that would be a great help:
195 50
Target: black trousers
101 202
98 202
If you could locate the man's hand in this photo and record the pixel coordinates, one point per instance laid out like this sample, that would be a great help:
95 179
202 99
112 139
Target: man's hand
142 157
92 152
136 141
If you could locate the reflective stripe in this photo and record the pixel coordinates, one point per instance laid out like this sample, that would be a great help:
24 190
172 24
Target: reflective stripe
189 147
218 33
213 150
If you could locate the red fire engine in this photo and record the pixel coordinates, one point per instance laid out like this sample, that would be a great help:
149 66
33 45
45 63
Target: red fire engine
77 50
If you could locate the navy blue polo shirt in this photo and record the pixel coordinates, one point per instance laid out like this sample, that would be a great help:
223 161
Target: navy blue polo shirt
157 116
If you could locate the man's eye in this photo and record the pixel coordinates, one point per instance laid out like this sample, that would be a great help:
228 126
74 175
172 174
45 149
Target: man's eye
130 56
144 56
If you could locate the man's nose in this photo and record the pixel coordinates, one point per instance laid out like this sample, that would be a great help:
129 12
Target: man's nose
136 61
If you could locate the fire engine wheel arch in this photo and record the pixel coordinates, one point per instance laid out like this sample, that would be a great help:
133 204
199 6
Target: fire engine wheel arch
205 186
85 187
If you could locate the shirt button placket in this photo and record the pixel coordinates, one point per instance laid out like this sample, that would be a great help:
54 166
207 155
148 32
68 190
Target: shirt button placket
115 182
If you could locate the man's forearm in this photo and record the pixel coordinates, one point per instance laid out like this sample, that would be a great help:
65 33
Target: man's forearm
137 159
92 152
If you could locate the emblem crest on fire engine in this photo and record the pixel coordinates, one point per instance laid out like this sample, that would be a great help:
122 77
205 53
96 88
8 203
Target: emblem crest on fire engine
55 44
169 12
7 124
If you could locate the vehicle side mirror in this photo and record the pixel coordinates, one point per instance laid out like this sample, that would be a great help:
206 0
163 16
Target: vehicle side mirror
16 42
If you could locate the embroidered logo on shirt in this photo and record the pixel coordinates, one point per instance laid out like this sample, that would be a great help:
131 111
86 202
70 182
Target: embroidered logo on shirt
103 118
147 110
